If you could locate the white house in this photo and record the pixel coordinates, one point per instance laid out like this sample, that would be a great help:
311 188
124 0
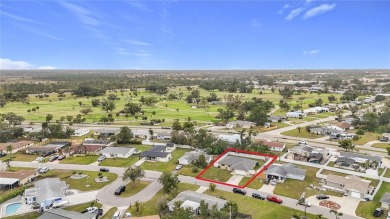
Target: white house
334 127
315 110
274 146
81 132
45 192
231 139
191 156
117 152
295 114
164 136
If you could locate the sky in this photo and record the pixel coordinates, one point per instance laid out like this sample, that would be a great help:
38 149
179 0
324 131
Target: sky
183 34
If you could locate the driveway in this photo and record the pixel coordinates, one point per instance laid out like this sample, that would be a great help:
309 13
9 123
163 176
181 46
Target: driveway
267 188
348 204
235 179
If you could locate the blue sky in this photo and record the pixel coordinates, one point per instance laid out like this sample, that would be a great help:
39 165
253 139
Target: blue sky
194 34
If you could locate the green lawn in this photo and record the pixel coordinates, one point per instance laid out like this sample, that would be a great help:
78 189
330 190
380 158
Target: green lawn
294 188
15 169
187 171
387 174
368 136
80 184
327 172
140 147
365 209
88 159
20 157
82 207
119 162
165 166
259 209
302 134
31 215
218 174
109 213
134 188
149 207
381 145
255 184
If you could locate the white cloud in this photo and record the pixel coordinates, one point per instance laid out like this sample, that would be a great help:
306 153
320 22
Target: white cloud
47 67
323 8
84 15
137 43
311 52
256 23
18 18
293 13
12 64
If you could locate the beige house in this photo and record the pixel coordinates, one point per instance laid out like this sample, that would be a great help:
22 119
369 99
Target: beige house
385 200
16 146
352 186
18 178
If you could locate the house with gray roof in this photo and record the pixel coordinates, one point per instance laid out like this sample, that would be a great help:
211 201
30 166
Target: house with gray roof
45 192
120 152
191 156
157 153
58 213
353 161
163 136
273 118
285 171
192 199
238 165
385 200
303 150
352 186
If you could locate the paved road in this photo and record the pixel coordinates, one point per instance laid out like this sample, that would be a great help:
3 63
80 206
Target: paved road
106 194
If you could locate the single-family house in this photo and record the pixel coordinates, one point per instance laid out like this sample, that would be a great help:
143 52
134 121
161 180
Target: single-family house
385 201
285 171
191 156
11 179
86 149
274 146
295 114
81 132
352 186
238 165
157 153
117 152
107 131
303 150
344 126
45 192
242 124
334 127
315 158
48 149
164 136
100 142
192 199
316 110
15 146
140 133
273 118
231 139
360 158
59 213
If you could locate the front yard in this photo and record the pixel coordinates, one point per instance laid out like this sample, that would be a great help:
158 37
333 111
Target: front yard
302 134
387 174
381 145
217 174
368 136
255 184
366 208
187 171
20 157
120 162
165 166
88 159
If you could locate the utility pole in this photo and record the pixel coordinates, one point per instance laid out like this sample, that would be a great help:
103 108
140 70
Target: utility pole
230 214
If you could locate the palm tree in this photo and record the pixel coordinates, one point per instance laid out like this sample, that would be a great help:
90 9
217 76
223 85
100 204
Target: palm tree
302 201
295 215
338 214
7 161
137 205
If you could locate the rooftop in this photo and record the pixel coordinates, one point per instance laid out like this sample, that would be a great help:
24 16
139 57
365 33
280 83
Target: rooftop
238 163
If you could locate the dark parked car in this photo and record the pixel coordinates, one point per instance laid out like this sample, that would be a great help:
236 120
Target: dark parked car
2 155
274 198
321 196
103 169
100 212
119 190
378 212
53 158
258 196
237 190
266 181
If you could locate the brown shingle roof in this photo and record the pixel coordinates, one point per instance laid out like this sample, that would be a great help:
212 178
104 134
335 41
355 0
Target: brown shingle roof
15 145
21 174
273 144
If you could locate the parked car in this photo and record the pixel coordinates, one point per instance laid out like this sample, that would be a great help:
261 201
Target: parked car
302 142
39 159
43 169
116 215
61 157
178 167
258 196
321 196
91 209
53 158
100 212
119 190
384 139
274 198
237 190
266 181
378 212
388 215
127 215
274 182
101 158
104 169
35 206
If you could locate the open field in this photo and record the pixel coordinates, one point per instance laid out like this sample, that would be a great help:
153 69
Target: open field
365 209
259 209
165 166
134 188
302 134
88 159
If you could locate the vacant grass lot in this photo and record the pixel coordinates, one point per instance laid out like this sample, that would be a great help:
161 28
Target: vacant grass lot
368 136
20 157
365 209
134 188
165 166
294 188
302 134
259 209
381 145
255 184
80 184
187 171
218 174
80 159
119 162
149 207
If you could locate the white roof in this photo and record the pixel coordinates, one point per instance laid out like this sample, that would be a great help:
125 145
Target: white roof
117 150
190 204
230 138
8 181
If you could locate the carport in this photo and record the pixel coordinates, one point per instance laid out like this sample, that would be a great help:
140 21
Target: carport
8 183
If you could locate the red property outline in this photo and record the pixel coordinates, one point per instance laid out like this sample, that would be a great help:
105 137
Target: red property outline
274 157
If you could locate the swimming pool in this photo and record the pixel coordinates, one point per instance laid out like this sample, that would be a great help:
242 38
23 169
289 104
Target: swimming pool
12 208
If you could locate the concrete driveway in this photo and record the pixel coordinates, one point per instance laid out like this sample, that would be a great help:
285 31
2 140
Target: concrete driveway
267 188
235 179
348 204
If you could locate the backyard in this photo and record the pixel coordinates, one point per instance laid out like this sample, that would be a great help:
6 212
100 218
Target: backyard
366 208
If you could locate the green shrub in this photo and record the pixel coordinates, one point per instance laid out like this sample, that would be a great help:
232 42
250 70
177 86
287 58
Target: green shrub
195 169
7 195
360 132
355 137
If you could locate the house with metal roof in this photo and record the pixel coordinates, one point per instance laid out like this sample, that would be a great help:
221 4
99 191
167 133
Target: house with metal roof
231 139
164 136
192 199
238 165
285 171
385 200
46 192
157 153
59 213
117 152
352 186
191 156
